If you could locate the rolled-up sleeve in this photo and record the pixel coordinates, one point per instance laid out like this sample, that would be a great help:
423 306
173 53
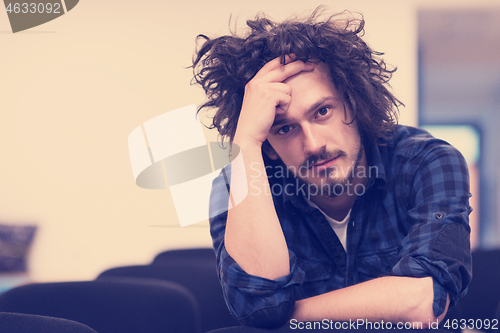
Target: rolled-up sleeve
256 301
438 240
252 300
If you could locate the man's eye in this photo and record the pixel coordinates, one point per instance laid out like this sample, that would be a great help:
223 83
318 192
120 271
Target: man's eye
284 130
323 112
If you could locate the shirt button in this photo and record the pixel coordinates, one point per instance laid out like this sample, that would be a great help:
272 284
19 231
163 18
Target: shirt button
439 215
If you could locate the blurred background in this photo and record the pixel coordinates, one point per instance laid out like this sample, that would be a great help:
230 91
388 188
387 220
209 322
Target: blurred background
73 89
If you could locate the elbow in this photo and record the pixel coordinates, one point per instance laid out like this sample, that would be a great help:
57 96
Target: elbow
270 317
421 308
423 317
425 314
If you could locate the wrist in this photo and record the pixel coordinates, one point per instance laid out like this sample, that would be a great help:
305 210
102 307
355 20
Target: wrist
247 143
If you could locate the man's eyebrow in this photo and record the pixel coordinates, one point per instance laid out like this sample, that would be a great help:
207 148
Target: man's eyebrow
313 107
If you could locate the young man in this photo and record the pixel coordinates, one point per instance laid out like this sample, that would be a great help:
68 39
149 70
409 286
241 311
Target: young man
347 215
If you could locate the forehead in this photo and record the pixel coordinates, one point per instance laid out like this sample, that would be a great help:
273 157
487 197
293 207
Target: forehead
310 83
310 91
310 88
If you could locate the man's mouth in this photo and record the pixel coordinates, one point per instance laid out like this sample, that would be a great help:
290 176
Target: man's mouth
318 166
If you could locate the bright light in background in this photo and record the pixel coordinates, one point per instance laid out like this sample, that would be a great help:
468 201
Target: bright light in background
467 140
463 137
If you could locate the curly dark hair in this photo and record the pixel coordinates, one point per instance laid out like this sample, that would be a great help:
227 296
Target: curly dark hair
224 65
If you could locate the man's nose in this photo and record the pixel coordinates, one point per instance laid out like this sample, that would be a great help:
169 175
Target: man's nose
313 142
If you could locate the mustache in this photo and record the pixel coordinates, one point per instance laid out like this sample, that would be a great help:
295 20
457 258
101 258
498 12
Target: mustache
323 156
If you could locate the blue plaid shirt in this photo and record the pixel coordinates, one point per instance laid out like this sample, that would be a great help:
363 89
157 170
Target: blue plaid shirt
412 220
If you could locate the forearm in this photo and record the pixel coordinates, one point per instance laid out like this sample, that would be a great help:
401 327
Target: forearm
392 298
254 237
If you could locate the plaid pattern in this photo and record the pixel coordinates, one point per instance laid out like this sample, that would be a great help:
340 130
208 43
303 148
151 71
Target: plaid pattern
412 220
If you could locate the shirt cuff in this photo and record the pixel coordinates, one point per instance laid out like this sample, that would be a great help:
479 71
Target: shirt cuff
422 267
234 276
256 301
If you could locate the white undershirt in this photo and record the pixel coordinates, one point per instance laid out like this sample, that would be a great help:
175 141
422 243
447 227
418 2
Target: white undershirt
340 227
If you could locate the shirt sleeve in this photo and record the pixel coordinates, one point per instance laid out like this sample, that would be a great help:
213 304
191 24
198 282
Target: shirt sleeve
438 241
252 300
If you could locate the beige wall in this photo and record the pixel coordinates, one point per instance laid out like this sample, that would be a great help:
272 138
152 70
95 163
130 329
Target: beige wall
457 3
73 89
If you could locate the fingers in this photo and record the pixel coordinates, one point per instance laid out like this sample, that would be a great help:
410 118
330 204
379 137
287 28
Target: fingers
284 88
283 100
282 108
267 95
274 64
289 70
277 92
275 71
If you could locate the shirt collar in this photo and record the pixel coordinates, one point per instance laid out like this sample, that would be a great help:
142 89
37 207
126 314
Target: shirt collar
376 167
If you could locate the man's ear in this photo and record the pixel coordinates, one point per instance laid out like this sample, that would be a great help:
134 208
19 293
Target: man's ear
269 150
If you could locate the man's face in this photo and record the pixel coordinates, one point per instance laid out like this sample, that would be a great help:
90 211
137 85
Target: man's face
315 137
